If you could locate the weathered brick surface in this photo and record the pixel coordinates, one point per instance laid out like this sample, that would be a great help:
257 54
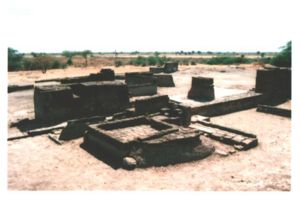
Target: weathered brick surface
104 75
164 80
202 89
146 141
171 67
54 103
240 140
274 110
139 78
274 82
142 89
151 104
156 70
228 104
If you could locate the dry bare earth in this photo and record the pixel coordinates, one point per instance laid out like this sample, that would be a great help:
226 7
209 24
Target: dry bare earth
39 164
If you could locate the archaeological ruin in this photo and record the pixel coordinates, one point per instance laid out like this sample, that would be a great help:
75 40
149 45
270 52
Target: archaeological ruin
124 117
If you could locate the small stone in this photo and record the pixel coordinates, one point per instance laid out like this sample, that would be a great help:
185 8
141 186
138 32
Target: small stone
247 141
238 138
221 153
238 147
129 163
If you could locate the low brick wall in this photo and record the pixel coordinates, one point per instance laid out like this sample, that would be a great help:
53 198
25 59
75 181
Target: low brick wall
274 110
152 104
156 70
228 104
142 89
61 102
14 88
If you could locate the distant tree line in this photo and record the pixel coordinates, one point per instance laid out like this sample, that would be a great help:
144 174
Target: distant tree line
155 59
42 61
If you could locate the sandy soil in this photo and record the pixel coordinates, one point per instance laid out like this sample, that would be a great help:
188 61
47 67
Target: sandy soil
37 163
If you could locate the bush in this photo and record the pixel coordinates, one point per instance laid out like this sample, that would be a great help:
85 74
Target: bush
14 60
227 60
42 62
139 61
69 61
151 60
284 58
185 62
57 64
118 63
193 63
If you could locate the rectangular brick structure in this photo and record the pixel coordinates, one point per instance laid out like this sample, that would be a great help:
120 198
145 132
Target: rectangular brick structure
202 89
141 83
171 67
103 97
53 103
61 102
123 134
152 104
142 141
164 80
274 82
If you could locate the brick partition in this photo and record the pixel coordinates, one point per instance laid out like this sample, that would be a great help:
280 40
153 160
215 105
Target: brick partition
151 104
229 104
141 83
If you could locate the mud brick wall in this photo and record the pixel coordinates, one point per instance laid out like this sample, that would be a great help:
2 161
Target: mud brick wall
152 104
229 104
170 67
141 83
139 78
156 70
106 136
142 89
275 82
164 80
53 103
274 110
107 75
61 102
202 89
104 75
103 97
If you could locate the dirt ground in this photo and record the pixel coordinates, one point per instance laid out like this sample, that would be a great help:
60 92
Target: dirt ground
37 163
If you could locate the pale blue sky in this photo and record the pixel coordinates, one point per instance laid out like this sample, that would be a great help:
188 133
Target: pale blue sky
149 25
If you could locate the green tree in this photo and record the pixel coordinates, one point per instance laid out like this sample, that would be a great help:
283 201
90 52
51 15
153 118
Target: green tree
284 57
84 54
68 55
14 61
